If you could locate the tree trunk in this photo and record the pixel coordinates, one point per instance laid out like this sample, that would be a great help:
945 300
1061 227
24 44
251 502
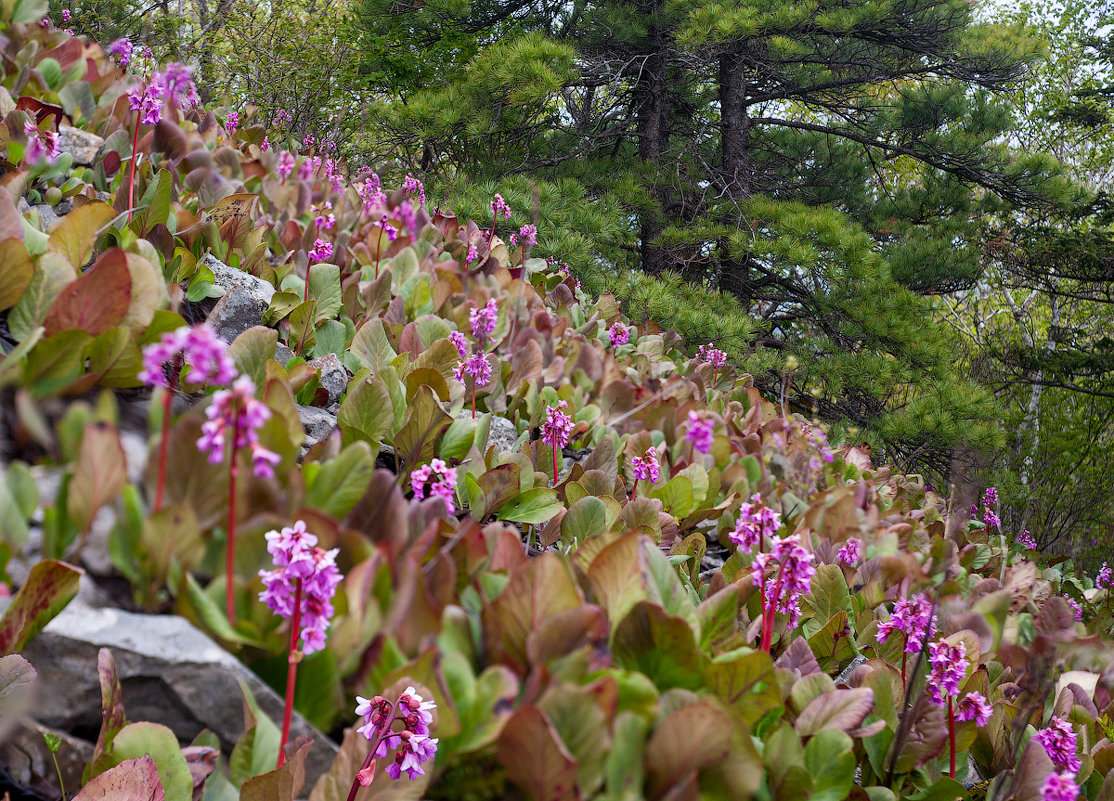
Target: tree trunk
651 96
736 174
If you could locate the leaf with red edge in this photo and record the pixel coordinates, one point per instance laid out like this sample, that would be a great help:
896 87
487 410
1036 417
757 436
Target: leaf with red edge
837 709
97 301
49 587
281 784
113 718
133 779
535 758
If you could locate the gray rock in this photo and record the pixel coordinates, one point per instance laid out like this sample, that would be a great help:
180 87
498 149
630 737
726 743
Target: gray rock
504 435
23 206
235 313
228 277
29 762
82 145
845 674
283 354
64 208
47 215
317 423
333 376
170 673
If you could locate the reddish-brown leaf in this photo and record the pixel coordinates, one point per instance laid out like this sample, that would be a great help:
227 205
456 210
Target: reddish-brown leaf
49 587
133 779
97 301
535 758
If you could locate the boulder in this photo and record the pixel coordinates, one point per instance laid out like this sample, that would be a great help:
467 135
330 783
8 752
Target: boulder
47 215
228 277
170 672
82 145
333 376
30 764
235 313
317 423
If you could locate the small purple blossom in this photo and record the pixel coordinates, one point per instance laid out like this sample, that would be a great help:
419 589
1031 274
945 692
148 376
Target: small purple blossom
282 117
712 355
236 415
529 234
792 579
619 334
413 742
477 367
307 168
324 217
699 433
460 343
414 188
756 520
203 352
178 86
42 146
646 467
65 15
231 123
500 205
483 319
558 426
947 668
297 558
1060 787
1026 541
1105 577
1077 610
265 145
122 49
146 100
435 479
990 497
322 251
1061 744
913 618
973 706
851 552
285 164
473 254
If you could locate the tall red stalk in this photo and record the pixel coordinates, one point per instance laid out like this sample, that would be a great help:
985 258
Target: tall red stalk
160 484
230 567
769 610
305 296
473 399
634 491
292 658
378 248
555 471
131 168
951 738
367 770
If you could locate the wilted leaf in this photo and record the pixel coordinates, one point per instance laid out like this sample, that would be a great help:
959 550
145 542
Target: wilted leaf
134 779
16 679
49 587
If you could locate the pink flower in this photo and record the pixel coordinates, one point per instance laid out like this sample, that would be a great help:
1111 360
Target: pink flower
204 352
146 100
266 144
913 618
851 552
231 123
322 250
473 254
1025 540
413 742
699 433
791 581
477 367
716 358
440 480
1061 744
558 426
483 320
297 559
41 145
235 414
619 334
1076 608
324 216
122 49
178 86
1060 787
282 116
947 668
973 706
646 467
459 343
307 168
1105 576
529 234
414 187
500 205
756 520
65 15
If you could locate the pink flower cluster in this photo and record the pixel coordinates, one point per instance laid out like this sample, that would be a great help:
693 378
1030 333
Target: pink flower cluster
973 706
699 433
851 552
913 618
41 145
477 367
413 742
178 86
1059 740
459 342
146 100
122 49
529 234
1060 787
414 188
483 319
646 467
793 578
235 415
500 205
1025 540
1105 577
297 559
435 479
285 164
322 250
282 117
232 122
712 355
323 216
947 668
990 502
1077 610
619 334
203 351
756 520
558 426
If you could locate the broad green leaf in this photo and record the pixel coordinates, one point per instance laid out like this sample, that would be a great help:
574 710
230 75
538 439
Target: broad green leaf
533 506
324 287
843 710
341 481
50 277
371 347
586 518
367 413
831 763
303 334
252 350
425 422
659 645
256 752
829 594
137 740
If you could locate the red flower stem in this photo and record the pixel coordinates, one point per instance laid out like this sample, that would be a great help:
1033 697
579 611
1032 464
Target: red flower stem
904 656
369 761
715 375
230 566
160 484
291 670
770 613
378 248
634 491
305 297
473 400
131 167
951 738
555 464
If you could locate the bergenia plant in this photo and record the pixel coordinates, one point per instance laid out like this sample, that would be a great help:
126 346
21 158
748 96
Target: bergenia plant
851 551
947 668
619 334
474 371
556 432
713 356
206 355
483 319
1060 787
401 726
915 620
756 521
435 479
300 588
1061 745
235 417
645 468
699 433
782 588
498 205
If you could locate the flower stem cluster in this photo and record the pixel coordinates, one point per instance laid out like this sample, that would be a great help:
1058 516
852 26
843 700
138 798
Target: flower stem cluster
1060 787
756 520
619 334
556 431
412 744
713 356
483 319
474 370
851 552
645 468
435 479
782 592
699 433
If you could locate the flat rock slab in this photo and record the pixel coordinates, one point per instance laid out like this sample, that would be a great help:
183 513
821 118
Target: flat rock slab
170 673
